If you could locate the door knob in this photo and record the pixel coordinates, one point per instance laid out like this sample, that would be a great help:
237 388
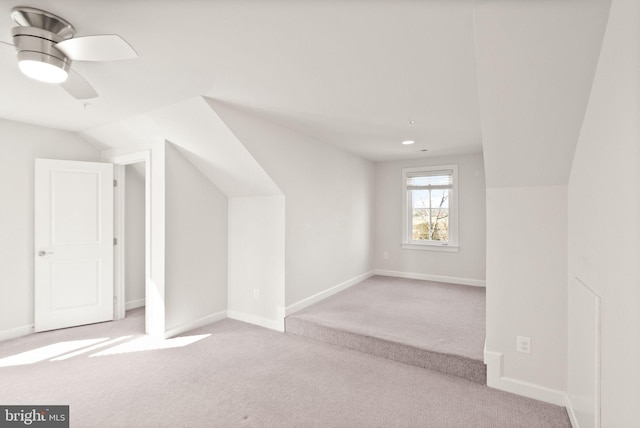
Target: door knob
43 253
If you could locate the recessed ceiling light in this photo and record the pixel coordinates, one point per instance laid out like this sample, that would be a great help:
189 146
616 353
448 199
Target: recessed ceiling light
408 142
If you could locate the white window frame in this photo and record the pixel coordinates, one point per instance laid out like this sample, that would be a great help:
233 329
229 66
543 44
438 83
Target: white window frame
452 244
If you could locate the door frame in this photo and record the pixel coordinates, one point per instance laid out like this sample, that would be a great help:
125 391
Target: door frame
120 162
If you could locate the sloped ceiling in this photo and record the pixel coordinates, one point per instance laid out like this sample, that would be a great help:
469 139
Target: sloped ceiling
199 135
536 62
509 78
350 73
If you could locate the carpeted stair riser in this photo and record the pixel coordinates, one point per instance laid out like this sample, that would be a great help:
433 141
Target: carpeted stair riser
454 365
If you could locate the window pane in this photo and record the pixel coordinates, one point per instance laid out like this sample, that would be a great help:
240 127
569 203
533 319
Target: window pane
420 230
440 225
430 205
440 198
420 198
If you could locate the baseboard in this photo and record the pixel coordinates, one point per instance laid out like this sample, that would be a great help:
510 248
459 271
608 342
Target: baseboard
12 333
572 414
200 322
134 304
255 320
326 293
428 277
496 379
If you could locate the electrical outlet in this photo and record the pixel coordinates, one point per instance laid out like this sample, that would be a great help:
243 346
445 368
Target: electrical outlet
256 293
523 344
385 255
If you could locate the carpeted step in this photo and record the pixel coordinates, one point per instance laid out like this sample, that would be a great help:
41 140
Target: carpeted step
455 365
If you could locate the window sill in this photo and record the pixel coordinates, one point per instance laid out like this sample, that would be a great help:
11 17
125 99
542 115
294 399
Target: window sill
445 248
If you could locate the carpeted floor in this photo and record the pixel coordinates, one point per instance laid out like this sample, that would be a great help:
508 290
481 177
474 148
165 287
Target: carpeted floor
232 374
429 324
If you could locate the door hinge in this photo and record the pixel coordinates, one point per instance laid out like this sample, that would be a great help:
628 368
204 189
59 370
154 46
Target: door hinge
115 241
115 183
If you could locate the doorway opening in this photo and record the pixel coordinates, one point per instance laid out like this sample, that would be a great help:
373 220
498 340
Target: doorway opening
132 226
134 236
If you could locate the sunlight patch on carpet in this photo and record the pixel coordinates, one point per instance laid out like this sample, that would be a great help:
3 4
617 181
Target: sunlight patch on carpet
149 343
47 352
90 348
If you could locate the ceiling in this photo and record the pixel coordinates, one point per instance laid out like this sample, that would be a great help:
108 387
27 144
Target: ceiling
350 73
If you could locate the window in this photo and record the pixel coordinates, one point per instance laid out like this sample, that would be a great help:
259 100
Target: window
430 208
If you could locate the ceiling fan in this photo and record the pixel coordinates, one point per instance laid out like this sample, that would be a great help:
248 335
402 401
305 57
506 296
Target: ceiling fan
46 46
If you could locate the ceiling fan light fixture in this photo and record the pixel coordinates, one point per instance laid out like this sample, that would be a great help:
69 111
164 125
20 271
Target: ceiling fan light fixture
43 67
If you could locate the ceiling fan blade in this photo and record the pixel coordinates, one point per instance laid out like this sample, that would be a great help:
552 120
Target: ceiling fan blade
107 47
6 43
78 87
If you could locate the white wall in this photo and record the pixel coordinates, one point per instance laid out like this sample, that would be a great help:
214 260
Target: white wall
203 139
465 266
196 244
526 281
535 66
134 235
256 259
604 227
329 203
20 144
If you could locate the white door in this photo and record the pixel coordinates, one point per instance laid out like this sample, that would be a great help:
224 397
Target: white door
73 243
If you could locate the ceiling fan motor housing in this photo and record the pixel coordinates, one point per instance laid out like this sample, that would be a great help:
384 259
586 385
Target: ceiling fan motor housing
45 46
37 34
39 45
36 18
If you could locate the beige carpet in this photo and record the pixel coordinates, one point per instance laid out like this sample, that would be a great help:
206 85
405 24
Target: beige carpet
428 324
239 375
